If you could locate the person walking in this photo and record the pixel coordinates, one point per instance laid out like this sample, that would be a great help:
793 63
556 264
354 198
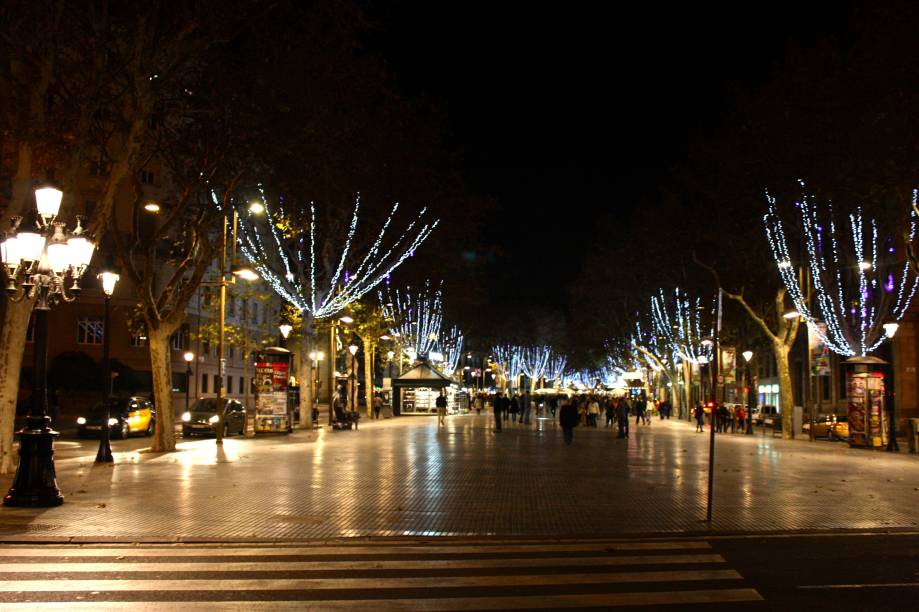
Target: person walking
741 415
609 410
622 417
441 404
498 407
377 405
639 410
525 407
699 414
568 419
593 412
514 407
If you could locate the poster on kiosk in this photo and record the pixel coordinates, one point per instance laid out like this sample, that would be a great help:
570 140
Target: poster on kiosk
272 375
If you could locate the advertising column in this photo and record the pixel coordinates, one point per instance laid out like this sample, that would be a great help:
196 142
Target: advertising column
271 389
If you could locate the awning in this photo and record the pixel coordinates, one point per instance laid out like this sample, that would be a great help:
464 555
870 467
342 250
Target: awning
422 375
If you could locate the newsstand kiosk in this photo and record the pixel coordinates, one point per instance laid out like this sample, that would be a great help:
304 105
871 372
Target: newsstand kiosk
272 391
867 412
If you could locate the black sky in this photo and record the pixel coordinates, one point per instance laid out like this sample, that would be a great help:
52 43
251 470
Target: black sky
574 113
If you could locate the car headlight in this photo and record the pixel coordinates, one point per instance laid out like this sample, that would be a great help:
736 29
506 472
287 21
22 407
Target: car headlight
81 421
186 416
213 419
112 422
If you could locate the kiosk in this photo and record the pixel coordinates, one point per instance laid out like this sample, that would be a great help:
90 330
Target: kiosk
272 391
415 391
867 410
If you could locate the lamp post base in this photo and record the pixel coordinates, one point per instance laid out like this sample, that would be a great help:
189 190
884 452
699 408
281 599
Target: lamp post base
35 484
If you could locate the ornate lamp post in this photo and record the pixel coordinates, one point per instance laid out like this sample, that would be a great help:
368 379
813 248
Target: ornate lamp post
40 260
109 279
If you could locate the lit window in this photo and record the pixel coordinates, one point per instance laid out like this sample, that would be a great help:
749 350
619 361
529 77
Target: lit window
89 330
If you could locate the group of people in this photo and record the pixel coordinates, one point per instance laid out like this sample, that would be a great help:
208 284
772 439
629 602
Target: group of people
517 407
731 419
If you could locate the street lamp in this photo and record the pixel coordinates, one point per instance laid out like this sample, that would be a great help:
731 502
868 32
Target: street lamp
109 279
285 329
189 357
748 357
39 261
352 376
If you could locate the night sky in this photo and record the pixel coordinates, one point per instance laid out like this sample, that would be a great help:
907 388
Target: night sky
573 114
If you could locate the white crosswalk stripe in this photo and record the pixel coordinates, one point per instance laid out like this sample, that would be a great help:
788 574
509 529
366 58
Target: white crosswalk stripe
381 576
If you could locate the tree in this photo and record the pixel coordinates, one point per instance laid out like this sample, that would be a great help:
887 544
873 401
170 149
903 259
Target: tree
861 285
322 274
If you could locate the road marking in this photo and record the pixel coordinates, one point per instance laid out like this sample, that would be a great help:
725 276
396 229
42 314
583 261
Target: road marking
230 565
598 600
877 585
191 550
315 584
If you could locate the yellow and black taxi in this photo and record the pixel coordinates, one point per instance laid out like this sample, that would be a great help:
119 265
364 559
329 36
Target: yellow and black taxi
832 426
128 415
201 419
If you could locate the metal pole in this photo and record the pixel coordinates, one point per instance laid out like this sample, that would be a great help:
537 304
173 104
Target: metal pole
35 483
220 332
711 441
104 455
332 361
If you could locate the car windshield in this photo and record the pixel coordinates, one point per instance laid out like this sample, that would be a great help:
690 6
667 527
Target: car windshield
116 406
205 405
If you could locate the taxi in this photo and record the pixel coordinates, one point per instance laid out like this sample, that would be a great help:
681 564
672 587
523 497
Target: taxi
129 415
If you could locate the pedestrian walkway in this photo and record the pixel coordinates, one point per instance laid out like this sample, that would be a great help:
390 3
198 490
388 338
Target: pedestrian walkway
406 477
383 575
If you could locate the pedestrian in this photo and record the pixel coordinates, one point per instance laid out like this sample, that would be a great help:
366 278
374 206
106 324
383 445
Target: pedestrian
377 405
610 412
478 404
622 417
553 405
525 408
699 414
568 419
514 407
741 415
638 408
441 404
593 412
497 407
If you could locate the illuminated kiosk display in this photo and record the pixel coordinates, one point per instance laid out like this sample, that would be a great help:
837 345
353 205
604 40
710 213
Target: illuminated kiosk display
415 391
867 406
273 391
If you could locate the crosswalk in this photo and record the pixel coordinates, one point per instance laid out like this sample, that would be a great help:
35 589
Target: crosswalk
380 575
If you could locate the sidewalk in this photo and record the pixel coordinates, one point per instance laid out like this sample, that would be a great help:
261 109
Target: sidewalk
406 477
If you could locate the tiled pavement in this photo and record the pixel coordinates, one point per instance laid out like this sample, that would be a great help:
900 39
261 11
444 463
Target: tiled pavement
405 477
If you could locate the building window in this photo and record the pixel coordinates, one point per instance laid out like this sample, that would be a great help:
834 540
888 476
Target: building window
242 388
231 307
229 385
99 168
206 346
146 177
255 313
89 330
232 352
216 382
138 340
204 383
179 339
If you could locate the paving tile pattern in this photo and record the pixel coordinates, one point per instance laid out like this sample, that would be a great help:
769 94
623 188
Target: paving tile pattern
406 477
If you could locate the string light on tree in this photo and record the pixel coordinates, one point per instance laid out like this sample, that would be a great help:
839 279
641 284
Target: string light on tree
416 317
859 282
289 256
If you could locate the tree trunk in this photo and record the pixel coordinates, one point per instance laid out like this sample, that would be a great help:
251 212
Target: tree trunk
369 349
674 392
786 396
687 391
12 342
305 373
164 439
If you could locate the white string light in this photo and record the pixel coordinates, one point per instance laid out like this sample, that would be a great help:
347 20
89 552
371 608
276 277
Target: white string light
856 289
287 258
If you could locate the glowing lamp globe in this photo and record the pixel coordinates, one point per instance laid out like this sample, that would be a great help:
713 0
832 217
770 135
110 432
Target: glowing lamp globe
48 201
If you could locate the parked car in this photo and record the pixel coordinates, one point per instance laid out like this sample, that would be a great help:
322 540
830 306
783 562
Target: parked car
201 419
832 426
127 415
765 415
